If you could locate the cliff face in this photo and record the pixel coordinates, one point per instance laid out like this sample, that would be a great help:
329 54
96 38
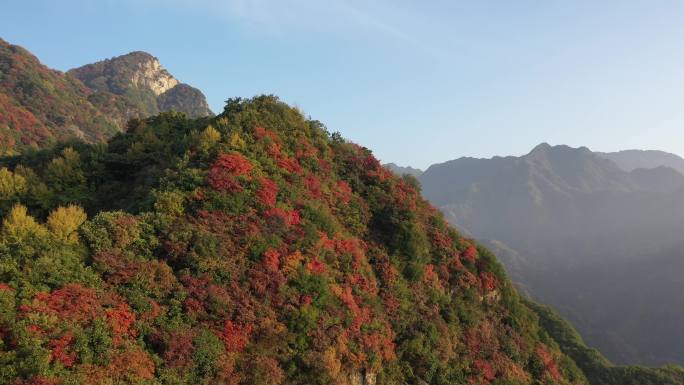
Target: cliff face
150 74
143 82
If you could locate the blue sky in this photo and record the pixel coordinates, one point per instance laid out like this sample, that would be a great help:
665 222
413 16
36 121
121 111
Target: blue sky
418 82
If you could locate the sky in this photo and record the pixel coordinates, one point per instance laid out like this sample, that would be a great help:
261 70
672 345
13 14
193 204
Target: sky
418 82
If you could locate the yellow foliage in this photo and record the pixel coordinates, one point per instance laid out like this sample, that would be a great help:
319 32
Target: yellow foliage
169 202
331 363
209 136
66 168
18 226
236 141
11 184
63 222
292 262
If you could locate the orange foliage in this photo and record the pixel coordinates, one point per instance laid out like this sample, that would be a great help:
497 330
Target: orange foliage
134 364
235 336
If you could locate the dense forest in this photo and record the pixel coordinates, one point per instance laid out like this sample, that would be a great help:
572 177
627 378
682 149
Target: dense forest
256 247
250 248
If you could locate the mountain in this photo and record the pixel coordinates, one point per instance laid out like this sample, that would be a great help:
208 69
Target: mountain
248 248
629 160
582 234
399 170
140 79
598 369
40 106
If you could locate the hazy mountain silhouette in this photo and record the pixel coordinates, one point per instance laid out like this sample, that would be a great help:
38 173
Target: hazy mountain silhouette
629 160
580 233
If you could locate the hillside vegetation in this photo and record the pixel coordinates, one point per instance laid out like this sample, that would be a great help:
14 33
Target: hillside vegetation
249 248
597 368
40 106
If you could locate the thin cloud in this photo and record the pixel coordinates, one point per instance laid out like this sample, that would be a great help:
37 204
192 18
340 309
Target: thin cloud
282 16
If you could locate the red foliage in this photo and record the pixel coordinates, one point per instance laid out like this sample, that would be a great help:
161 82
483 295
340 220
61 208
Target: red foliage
313 184
115 267
5 287
429 273
271 260
261 133
375 170
344 192
315 266
179 350
485 369
488 281
441 240
285 217
225 170
193 306
405 195
38 380
235 336
549 363
60 350
291 165
268 192
121 319
74 302
470 253
35 330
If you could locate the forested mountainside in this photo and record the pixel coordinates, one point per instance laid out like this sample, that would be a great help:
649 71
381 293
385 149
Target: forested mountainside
599 370
249 248
582 234
40 106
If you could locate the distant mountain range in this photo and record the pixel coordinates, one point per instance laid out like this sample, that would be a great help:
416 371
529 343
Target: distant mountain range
629 160
597 235
399 170
39 106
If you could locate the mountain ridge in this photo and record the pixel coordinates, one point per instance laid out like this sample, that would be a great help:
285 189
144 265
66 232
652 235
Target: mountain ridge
40 106
571 214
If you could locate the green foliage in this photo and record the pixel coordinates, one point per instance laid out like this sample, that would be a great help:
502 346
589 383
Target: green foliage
597 368
253 247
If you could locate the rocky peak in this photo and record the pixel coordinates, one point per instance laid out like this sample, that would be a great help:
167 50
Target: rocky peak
136 69
141 79
150 74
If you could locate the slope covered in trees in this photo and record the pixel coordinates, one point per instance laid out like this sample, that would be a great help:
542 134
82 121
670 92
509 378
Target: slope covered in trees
40 106
249 248
598 369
